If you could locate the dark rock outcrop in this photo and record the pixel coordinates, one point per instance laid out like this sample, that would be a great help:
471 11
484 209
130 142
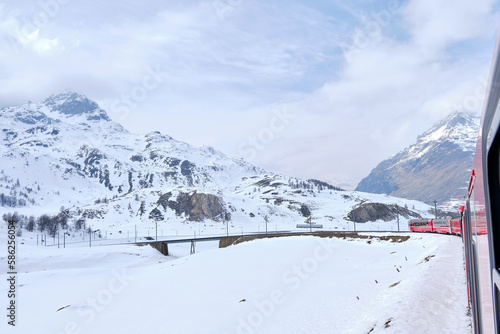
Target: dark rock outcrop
305 211
195 206
371 212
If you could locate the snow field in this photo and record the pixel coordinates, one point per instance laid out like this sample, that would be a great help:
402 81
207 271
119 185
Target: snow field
299 284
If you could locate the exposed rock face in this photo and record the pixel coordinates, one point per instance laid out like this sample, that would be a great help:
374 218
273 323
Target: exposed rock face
371 212
195 206
156 214
304 210
72 103
435 168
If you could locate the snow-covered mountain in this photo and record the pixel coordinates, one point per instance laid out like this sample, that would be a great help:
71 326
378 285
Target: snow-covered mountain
66 152
435 168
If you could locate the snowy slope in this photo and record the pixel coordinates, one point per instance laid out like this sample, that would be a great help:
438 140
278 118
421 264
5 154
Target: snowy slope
288 285
66 152
435 168
67 146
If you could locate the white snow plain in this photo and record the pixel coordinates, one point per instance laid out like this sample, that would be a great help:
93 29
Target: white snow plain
298 284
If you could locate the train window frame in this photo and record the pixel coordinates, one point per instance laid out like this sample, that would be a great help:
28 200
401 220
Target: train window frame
473 220
470 259
492 199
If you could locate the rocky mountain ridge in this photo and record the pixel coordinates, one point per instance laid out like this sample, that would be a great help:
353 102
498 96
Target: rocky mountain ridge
435 168
66 152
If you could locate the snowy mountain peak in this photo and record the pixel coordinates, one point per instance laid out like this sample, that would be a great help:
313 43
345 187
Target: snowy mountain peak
458 127
457 118
435 167
73 104
157 136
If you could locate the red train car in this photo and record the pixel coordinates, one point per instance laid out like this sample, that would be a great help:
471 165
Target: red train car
481 216
456 226
481 225
446 226
441 226
420 225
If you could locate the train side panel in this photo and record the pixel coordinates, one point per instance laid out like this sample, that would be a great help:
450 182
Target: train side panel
482 212
456 226
478 258
441 226
420 225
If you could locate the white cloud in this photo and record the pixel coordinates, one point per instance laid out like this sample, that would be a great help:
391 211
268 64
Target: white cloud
388 93
435 24
362 81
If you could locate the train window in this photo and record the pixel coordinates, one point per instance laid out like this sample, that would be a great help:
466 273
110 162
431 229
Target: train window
473 215
475 287
496 291
492 201
493 167
471 273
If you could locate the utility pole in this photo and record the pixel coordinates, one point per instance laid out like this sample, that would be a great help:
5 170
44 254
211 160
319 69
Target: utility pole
397 215
435 210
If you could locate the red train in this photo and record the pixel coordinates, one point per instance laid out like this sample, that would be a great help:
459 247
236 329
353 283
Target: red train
481 214
447 226
481 223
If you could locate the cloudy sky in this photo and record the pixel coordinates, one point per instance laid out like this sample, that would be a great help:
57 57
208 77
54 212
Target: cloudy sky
320 89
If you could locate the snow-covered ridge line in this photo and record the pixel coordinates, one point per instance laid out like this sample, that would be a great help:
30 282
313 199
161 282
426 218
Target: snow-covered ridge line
66 152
